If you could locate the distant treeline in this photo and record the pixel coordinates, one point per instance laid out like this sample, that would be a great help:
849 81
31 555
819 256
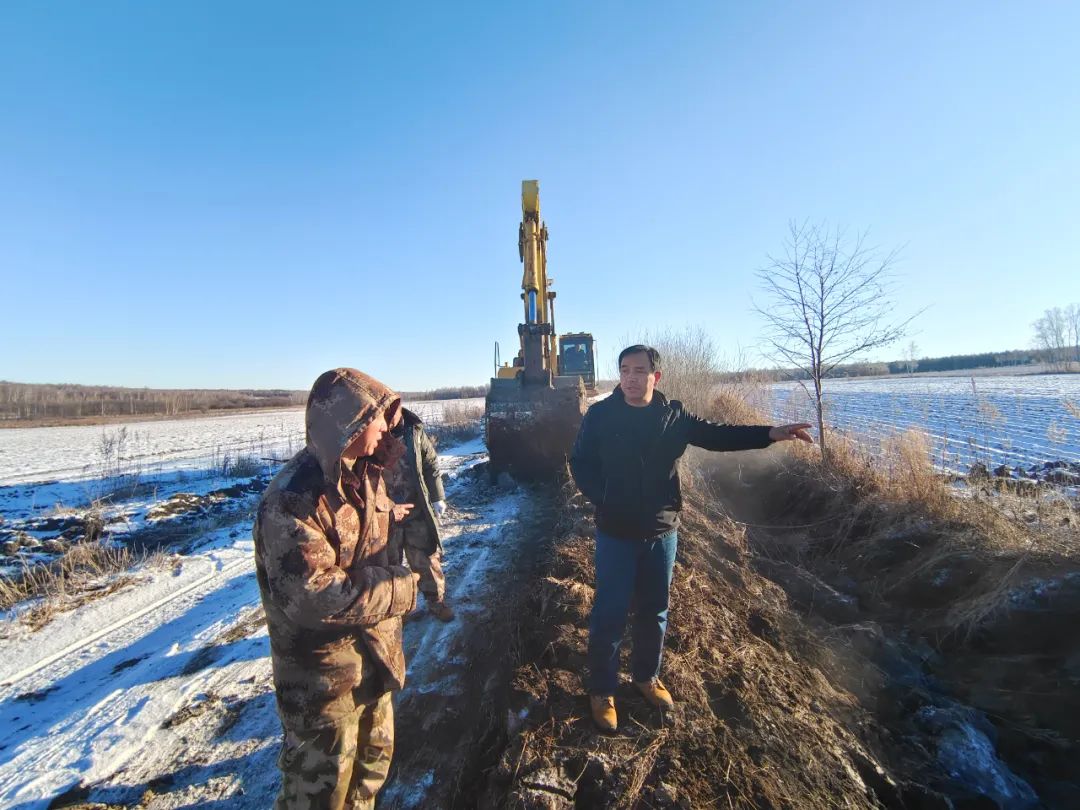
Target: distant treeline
458 392
953 362
957 362
28 401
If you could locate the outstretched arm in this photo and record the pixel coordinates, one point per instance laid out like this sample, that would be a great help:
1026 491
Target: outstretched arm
715 436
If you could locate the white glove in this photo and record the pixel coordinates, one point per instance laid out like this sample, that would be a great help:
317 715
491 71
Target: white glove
439 508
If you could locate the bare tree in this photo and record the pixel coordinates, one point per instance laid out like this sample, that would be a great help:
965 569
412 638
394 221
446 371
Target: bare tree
1072 329
911 357
1052 336
828 302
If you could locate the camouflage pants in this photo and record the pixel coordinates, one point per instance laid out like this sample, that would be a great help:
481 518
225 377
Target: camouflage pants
338 767
414 540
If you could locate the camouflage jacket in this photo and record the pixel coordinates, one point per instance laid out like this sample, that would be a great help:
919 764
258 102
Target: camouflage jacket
333 605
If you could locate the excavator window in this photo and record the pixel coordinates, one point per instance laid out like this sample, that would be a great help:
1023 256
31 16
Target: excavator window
575 357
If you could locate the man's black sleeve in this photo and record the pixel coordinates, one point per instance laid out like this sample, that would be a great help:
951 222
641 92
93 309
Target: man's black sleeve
585 460
713 436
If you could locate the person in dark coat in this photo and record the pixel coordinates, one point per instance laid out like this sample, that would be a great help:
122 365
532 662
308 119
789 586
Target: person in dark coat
416 479
625 462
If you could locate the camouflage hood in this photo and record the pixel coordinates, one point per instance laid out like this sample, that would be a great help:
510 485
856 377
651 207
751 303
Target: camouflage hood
341 404
333 601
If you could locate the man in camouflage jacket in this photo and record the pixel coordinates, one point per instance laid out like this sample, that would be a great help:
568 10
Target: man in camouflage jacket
416 479
333 602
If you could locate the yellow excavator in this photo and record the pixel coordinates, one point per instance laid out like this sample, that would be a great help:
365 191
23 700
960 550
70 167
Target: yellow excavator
536 401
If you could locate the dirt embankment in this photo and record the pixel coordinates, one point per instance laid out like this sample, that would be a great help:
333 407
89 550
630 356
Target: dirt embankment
968 608
846 649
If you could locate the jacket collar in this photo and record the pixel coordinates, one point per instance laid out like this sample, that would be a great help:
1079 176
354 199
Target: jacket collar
617 395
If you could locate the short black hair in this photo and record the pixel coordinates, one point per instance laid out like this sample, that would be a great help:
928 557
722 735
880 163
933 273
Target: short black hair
648 351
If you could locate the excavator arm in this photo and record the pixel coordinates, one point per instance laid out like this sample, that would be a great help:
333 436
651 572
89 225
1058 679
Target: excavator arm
532 413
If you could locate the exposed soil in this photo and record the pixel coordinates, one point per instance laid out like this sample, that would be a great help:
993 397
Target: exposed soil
833 653
40 538
451 728
975 622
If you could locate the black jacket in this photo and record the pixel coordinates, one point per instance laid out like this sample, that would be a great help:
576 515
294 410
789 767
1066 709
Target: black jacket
626 463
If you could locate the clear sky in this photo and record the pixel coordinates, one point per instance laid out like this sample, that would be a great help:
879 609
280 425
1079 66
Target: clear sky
243 194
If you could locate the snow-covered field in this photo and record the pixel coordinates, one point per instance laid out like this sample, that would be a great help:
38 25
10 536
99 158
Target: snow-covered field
85 452
1019 421
160 695
128 470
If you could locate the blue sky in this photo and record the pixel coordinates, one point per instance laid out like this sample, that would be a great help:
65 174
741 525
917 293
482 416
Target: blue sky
201 194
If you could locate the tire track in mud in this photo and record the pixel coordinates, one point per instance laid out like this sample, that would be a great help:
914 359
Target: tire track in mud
454 670
92 716
9 683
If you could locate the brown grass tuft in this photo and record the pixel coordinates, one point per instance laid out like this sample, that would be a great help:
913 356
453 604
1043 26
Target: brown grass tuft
84 573
460 422
731 407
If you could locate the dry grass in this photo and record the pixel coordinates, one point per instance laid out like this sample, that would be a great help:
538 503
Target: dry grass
241 467
982 573
85 572
731 407
460 422
90 570
951 559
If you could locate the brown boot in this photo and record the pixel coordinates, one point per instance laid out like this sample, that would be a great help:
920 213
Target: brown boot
603 712
441 611
656 694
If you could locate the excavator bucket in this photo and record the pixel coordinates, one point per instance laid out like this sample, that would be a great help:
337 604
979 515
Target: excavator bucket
530 429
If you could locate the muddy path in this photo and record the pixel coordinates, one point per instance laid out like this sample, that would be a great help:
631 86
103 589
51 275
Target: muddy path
453 709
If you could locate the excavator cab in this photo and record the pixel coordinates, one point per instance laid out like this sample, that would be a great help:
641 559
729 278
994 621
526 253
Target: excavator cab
577 358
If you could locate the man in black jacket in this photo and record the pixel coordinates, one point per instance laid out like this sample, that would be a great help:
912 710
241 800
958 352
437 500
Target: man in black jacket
625 462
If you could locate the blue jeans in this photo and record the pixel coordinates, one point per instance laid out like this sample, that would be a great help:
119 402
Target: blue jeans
629 570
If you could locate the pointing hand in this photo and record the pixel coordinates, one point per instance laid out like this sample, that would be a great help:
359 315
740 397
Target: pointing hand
786 433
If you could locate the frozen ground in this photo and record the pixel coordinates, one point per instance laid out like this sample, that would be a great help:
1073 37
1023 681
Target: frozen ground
1020 421
152 449
159 695
148 449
